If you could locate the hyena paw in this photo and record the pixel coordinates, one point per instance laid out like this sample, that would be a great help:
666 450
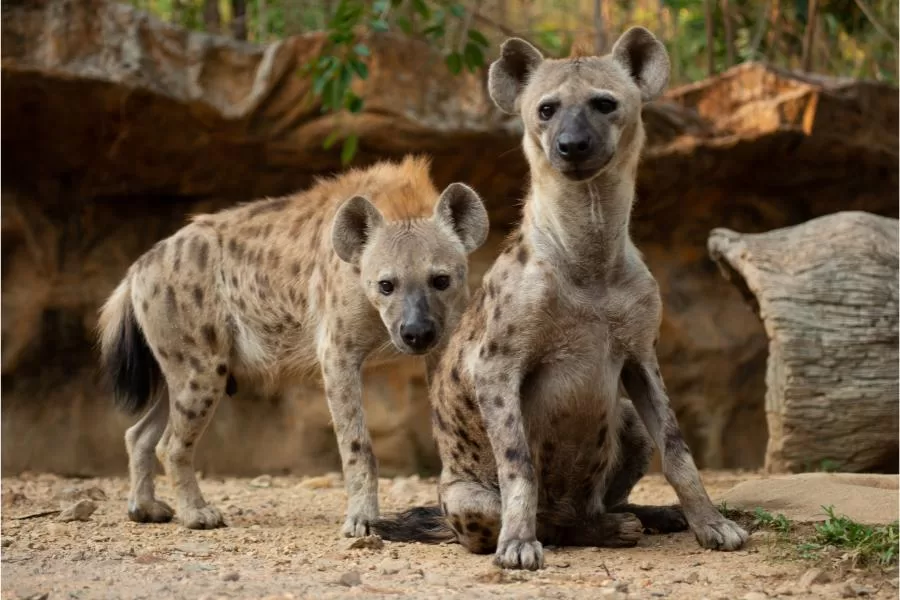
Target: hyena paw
628 529
208 517
519 554
720 534
358 524
154 512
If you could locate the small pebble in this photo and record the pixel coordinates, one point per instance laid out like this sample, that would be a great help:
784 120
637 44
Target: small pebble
350 579
369 542
80 511
232 576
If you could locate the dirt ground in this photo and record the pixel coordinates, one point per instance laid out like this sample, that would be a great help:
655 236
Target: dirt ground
283 542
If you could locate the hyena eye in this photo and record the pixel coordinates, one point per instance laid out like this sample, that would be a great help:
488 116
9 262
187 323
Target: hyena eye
385 287
604 105
546 111
440 282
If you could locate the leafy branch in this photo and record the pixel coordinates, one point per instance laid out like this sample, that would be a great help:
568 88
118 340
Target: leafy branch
344 59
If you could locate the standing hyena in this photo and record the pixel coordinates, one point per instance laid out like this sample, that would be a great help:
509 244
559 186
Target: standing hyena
537 442
271 290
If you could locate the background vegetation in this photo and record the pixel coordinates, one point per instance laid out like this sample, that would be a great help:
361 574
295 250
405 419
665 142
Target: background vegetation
849 38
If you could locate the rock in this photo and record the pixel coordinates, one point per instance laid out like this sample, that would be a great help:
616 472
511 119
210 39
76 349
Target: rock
263 481
6 542
813 576
350 579
369 542
80 511
72 494
870 499
692 577
242 130
851 589
390 566
232 576
646 566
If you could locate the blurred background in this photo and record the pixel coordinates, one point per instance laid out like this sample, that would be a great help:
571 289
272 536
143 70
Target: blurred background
122 119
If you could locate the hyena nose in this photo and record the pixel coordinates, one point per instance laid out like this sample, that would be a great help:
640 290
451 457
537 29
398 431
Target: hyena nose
573 146
419 335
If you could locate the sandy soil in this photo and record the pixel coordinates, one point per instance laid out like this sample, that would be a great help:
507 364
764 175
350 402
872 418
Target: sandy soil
282 542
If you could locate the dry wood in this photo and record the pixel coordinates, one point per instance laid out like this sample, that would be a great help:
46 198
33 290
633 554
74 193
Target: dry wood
827 293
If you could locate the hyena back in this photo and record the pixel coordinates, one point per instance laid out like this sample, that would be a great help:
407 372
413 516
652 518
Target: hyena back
270 291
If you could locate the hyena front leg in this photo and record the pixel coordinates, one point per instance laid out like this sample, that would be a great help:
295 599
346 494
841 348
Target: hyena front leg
140 441
194 393
644 384
342 375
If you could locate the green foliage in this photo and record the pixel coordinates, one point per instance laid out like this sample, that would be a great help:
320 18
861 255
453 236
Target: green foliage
779 522
867 544
343 59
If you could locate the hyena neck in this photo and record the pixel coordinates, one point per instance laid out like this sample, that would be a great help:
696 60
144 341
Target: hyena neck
581 227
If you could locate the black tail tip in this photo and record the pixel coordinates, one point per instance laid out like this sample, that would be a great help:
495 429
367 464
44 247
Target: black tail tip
133 370
425 524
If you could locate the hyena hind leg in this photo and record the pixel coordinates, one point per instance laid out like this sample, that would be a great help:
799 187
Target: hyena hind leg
636 450
194 396
140 441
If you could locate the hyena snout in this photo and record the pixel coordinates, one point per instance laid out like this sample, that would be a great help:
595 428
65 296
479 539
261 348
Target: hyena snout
574 146
418 329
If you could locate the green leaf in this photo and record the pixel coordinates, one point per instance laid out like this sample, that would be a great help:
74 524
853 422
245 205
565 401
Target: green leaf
379 25
349 149
454 62
404 25
436 31
380 6
354 103
331 139
319 84
362 71
421 7
474 58
458 10
478 37
361 50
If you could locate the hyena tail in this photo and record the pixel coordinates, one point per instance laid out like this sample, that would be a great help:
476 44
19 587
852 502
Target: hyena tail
426 524
126 357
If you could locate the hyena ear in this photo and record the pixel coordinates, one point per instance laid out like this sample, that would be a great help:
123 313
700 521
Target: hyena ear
354 223
509 73
462 210
645 59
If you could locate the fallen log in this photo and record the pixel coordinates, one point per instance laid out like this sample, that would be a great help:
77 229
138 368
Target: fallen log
827 294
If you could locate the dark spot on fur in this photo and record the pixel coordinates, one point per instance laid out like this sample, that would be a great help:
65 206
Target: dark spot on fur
194 385
171 301
295 269
222 369
207 402
162 354
470 404
498 401
522 255
472 526
185 411
454 374
231 386
492 348
179 357
144 305
510 421
195 363
354 446
198 296
470 473
209 335
513 455
202 255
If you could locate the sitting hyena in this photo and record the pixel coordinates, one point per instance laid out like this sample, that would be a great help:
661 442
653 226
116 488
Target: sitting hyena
537 443
272 290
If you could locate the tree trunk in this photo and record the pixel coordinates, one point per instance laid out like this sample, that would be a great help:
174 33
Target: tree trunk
262 21
827 293
599 28
239 19
211 17
809 35
710 39
729 33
